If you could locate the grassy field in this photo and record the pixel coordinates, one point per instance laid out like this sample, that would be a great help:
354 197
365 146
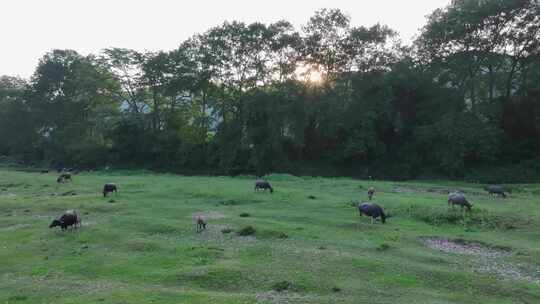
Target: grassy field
140 246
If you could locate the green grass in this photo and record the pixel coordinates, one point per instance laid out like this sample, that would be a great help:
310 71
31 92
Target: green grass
308 245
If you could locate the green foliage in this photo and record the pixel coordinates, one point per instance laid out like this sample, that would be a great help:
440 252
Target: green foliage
226 230
241 98
281 286
383 247
248 230
477 218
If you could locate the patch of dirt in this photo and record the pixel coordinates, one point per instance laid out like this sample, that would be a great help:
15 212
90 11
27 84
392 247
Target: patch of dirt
404 190
438 191
460 247
210 215
275 297
213 234
401 189
486 259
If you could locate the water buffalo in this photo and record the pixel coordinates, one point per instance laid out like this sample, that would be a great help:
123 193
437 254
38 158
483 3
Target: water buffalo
201 224
64 177
372 210
370 192
109 188
70 218
263 185
496 189
456 198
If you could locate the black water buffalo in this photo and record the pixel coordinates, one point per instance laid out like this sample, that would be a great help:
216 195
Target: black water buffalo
201 224
373 211
64 177
263 185
109 188
69 219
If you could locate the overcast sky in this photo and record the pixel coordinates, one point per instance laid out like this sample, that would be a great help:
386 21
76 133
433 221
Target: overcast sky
30 28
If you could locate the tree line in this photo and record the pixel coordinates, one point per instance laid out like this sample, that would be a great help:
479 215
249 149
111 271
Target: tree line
461 101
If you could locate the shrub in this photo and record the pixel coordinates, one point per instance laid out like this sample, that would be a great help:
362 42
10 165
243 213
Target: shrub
17 298
271 234
383 247
248 230
226 230
244 214
281 286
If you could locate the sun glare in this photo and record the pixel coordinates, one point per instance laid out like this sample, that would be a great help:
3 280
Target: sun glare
314 76
309 74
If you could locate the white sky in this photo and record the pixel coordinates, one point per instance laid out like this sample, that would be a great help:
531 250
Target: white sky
30 28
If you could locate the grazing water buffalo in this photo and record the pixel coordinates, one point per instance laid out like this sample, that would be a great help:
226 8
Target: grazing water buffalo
456 198
201 224
263 185
64 177
372 210
496 189
370 192
69 218
109 188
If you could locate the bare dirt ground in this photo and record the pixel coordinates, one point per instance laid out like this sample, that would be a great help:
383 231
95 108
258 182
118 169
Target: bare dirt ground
486 259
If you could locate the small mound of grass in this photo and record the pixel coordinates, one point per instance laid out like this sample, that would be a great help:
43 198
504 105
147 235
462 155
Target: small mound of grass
236 202
281 286
67 193
271 234
312 197
111 201
226 230
336 289
17 298
244 214
383 247
11 185
536 192
248 230
475 218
